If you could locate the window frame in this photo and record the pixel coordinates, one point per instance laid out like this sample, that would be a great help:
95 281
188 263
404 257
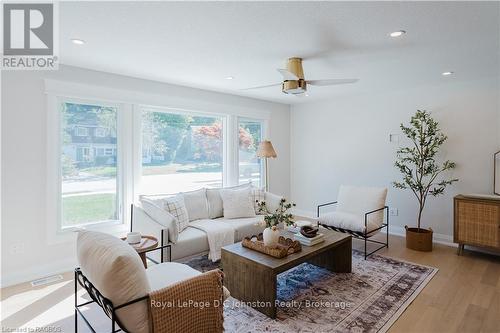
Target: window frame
263 134
130 102
55 167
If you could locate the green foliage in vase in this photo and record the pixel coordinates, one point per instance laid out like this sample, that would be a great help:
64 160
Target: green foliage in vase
280 215
417 163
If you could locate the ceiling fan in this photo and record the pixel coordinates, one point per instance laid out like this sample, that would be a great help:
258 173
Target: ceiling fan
294 82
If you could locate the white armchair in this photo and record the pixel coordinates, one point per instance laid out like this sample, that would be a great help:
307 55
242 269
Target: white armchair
360 212
143 300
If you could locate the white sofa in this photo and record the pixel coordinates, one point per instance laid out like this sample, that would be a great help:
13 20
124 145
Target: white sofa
150 219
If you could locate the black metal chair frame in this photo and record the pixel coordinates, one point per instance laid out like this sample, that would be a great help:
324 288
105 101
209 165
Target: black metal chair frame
365 236
107 306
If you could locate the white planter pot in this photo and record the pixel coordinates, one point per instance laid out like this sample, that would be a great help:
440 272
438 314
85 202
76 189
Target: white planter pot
271 237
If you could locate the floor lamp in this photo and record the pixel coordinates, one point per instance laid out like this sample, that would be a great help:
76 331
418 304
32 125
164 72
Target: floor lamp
265 151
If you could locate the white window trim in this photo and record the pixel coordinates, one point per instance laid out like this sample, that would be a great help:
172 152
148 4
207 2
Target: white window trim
55 232
264 135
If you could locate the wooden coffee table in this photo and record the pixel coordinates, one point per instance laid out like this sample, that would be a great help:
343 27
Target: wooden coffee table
250 276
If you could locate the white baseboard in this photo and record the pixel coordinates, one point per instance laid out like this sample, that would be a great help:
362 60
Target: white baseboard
33 273
436 238
393 229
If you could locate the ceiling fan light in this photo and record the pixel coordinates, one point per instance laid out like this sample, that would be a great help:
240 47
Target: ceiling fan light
294 87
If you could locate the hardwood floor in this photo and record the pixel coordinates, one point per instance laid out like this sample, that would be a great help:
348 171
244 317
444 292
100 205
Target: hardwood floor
464 296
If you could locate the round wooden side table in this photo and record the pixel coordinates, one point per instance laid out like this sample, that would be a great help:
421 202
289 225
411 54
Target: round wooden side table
147 243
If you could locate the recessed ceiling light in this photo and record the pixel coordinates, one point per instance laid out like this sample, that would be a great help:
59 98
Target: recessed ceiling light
446 73
397 33
229 77
78 41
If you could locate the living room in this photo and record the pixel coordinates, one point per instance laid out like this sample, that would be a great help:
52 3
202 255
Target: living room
200 132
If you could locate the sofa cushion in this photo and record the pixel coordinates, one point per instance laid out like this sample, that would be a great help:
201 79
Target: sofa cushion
168 273
272 202
196 204
361 200
215 204
191 241
237 203
244 227
347 221
117 271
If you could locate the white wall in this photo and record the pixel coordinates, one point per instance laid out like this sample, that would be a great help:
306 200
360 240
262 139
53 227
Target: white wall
26 252
346 141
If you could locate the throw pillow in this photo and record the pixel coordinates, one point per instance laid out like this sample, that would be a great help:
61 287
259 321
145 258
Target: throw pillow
258 196
215 204
196 204
175 206
237 203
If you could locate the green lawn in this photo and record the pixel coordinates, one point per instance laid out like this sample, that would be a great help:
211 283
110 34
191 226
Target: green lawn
104 171
88 208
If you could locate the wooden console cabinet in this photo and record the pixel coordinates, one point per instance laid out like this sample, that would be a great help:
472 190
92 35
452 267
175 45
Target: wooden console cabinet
477 222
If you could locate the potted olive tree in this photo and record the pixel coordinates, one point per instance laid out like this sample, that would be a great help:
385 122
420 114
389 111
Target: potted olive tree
421 172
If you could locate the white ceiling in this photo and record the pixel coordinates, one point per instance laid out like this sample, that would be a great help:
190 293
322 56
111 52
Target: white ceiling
199 44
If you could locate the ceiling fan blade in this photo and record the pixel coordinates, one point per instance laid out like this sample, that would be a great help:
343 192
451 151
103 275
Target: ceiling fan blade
260 87
331 82
287 75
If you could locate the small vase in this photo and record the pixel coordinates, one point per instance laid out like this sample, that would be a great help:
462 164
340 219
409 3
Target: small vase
271 237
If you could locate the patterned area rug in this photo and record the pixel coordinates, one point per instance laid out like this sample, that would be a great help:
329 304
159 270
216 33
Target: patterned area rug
312 299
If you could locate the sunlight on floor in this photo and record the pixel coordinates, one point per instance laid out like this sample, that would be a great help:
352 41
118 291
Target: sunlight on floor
51 306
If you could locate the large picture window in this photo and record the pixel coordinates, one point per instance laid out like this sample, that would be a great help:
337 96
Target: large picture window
250 136
104 155
89 163
180 152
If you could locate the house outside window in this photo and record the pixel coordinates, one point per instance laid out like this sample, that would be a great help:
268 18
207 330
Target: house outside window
90 191
180 152
81 131
250 132
100 132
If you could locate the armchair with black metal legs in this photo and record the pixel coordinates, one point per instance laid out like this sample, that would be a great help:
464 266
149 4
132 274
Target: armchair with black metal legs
96 297
116 280
361 220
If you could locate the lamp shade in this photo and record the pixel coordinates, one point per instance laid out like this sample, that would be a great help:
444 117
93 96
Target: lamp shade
266 149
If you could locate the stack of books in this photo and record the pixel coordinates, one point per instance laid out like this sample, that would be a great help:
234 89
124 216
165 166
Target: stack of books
295 228
309 241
